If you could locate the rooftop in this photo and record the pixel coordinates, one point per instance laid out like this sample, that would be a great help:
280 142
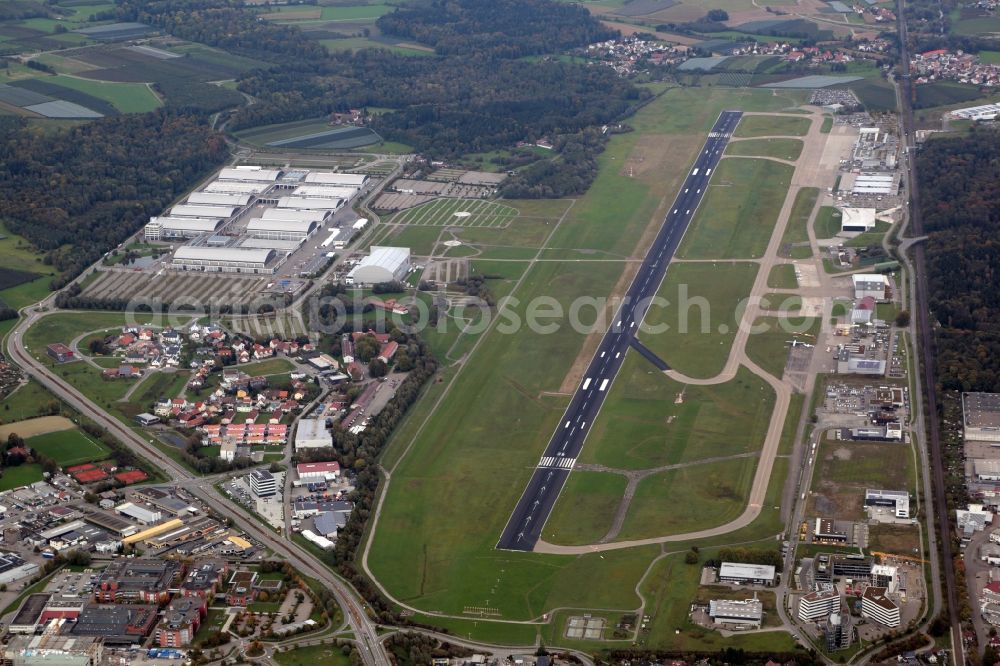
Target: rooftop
741 570
982 410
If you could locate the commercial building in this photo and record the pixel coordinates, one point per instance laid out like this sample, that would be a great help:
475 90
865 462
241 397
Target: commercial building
384 264
59 352
310 203
145 580
202 212
982 112
178 228
139 514
827 531
337 179
981 417
748 613
180 622
877 606
857 220
839 632
13 568
870 284
318 471
885 575
746 574
249 174
897 500
312 434
290 230
235 187
204 579
117 624
52 649
324 192
219 199
225 259
263 483
864 311
817 605
987 469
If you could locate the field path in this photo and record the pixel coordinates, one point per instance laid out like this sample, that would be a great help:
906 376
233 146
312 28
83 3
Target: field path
806 175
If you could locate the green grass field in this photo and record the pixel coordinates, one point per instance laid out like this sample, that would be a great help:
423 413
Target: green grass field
783 149
28 401
796 238
786 302
456 213
754 126
769 347
68 447
126 97
827 224
981 25
737 216
311 655
782 276
585 508
702 316
22 475
642 426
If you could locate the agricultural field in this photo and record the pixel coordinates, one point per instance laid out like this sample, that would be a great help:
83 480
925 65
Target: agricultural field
782 149
343 138
504 401
737 216
68 447
30 427
457 213
943 93
758 126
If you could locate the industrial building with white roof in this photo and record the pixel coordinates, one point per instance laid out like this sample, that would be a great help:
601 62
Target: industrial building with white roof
384 264
225 259
288 230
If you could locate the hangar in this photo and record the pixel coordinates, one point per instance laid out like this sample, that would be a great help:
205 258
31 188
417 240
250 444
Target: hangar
218 199
234 187
384 264
324 192
874 183
287 230
874 285
184 210
857 219
166 228
250 174
317 216
357 180
225 259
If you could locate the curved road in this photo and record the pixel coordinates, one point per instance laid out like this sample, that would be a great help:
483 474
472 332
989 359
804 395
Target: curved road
371 649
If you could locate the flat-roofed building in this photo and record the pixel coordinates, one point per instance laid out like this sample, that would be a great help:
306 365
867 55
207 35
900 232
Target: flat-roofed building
857 220
203 211
263 483
318 471
306 203
339 179
219 199
312 434
295 215
250 174
324 192
747 574
225 259
877 606
234 187
981 417
741 614
987 469
870 284
818 604
52 649
897 500
384 264
177 228
287 230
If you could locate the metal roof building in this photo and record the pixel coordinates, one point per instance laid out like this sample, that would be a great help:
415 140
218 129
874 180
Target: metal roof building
184 210
180 227
303 203
225 259
384 264
324 192
746 613
331 178
218 199
737 572
250 174
318 216
289 230
235 187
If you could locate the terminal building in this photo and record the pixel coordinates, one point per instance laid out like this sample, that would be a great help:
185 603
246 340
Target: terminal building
225 259
384 264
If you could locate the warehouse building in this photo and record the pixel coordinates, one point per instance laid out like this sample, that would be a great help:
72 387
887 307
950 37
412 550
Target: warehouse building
178 228
310 203
857 220
140 514
897 500
324 192
817 605
318 471
312 434
219 199
286 230
864 311
748 613
225 259
875 605
317 216
746 574
384 264
874 183
52 649
200 211
981 417
13 568
234 187
250 174
871 285
357 180
982 112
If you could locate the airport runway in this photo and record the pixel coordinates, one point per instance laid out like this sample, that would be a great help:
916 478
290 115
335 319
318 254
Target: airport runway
525 524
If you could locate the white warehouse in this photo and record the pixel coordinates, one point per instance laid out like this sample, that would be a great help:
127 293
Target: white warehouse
225 259
184 210
235 187
317 216
324 192
384 264
250 174
289 230
171 228
219 199
304 203
357 180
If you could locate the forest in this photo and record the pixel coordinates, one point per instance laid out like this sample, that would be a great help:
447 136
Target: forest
501 29
75 193
960 205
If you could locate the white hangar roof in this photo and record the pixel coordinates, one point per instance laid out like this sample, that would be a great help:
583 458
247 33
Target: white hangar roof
250 174
238 188
195 210
288 226
324 192
293 214
218 199
332 178
203 224
235 254
302 203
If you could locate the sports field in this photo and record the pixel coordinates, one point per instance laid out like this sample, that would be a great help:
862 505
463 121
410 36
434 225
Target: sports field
738 213
69 447
755 126
456 213
781 148
701 317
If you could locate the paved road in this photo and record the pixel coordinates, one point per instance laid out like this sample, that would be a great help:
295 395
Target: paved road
369 646
532 510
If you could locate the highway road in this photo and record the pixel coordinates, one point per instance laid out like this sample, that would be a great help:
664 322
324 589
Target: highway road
525 524
370 648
